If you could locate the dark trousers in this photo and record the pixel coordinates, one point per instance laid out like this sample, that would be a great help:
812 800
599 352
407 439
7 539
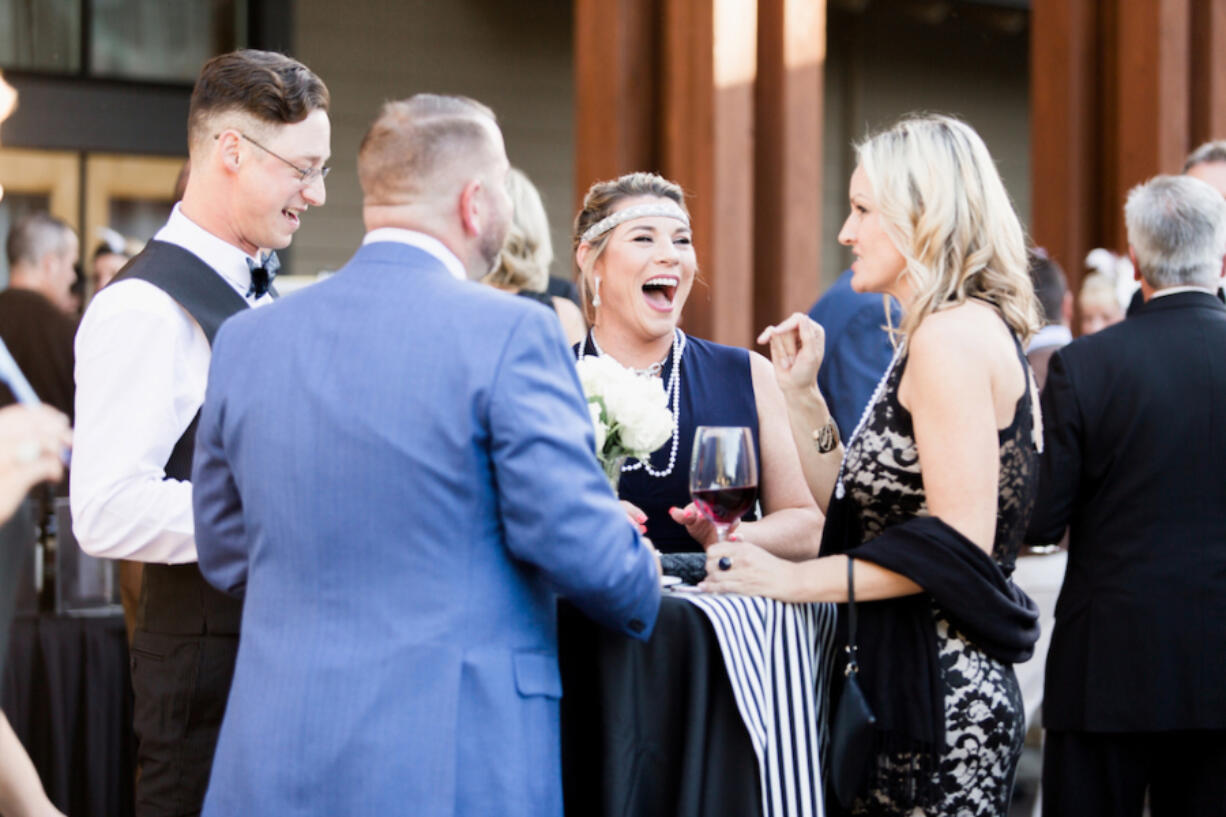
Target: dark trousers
1097 774
180 685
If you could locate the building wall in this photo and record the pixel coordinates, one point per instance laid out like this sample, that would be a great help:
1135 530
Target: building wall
514 57
518 59
882 64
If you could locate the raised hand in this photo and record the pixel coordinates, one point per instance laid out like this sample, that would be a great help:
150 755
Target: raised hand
797 347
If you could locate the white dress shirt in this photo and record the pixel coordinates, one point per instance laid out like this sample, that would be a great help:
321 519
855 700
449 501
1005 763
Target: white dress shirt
1162 293
423 242
141 367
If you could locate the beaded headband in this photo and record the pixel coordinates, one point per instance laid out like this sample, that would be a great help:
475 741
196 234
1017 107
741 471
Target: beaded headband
668 209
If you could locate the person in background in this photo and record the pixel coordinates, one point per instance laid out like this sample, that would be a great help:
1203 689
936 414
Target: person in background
523 264
1135 693
858 348
34 322
43 252
930 500
1098 303
1208 163
1051 288
258 139
108 260
635 256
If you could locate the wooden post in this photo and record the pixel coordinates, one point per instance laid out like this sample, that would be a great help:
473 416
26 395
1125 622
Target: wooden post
1208 71
788 157
710 65
1064 147
1151 98
616 89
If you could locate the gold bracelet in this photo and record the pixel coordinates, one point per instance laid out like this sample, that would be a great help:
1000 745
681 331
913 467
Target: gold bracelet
826 438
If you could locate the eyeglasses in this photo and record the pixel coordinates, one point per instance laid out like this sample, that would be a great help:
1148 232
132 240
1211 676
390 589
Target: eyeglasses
306 174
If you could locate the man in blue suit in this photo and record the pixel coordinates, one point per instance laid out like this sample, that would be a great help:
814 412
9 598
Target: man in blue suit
858 349
395 469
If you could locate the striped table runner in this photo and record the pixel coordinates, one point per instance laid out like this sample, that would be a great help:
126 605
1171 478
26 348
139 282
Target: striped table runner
779 658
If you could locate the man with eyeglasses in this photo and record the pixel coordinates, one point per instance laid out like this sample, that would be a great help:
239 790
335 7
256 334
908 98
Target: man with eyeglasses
258 138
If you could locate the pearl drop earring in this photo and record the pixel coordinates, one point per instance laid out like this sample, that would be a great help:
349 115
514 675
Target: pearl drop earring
596 297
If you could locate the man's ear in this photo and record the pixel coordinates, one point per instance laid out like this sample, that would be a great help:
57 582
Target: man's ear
471 211
1136 268
229 149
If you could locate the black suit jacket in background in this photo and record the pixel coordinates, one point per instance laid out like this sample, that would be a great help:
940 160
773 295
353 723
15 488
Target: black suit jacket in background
1135 465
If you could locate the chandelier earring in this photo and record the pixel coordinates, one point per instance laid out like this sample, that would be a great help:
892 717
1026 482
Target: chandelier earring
596 296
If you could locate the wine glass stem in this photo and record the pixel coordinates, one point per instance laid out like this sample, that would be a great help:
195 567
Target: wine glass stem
721 533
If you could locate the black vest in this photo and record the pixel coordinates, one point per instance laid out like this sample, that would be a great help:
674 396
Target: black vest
175 598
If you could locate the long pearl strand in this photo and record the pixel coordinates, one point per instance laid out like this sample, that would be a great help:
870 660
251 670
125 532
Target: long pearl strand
674 392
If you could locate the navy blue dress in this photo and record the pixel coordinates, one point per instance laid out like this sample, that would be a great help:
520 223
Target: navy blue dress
716 389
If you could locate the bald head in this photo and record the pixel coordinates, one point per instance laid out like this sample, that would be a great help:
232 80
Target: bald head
424 148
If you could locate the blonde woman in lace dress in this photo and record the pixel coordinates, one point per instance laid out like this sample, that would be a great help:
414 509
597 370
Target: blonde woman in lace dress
933 493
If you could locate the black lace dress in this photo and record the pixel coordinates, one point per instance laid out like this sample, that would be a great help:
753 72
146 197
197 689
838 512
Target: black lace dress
984 716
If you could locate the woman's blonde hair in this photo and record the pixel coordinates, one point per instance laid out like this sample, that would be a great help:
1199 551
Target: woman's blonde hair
527 252
945 208
601 199
1097 288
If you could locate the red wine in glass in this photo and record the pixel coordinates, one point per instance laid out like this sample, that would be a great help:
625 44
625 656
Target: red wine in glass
724 506
723 474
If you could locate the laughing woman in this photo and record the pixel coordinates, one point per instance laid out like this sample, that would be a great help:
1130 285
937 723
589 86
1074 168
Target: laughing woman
931 499
636 262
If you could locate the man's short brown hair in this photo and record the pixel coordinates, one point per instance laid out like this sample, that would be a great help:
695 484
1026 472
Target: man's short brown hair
268 86
416 143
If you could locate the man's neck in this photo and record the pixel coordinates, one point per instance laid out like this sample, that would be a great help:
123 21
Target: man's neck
213 221
411 217
23 280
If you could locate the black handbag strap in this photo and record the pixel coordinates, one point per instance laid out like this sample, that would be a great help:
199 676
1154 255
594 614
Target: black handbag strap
853 666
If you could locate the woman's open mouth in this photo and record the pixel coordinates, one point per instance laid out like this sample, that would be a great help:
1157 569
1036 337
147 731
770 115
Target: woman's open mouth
660 291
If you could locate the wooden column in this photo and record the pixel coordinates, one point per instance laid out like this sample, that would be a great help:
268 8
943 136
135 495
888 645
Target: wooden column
788 157
1063 132
1152 97
1208 71
710 64
617 61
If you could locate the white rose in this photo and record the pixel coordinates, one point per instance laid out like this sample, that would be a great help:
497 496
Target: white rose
640 409
598 375
598 425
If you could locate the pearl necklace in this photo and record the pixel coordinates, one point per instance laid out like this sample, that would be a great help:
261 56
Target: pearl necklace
673 390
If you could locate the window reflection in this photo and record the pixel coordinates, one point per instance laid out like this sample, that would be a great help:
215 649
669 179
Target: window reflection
41 35
158 40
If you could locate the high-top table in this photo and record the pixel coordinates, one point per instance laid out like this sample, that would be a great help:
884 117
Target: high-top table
721 712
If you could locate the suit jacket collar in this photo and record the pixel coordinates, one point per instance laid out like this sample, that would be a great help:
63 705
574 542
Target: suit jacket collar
423 242
1181 300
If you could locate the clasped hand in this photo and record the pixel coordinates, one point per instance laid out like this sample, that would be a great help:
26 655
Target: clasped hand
744 568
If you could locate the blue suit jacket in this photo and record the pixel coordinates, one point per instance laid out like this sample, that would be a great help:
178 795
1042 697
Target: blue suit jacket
858 350
397 469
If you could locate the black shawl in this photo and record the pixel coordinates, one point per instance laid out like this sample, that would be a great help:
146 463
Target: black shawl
899 667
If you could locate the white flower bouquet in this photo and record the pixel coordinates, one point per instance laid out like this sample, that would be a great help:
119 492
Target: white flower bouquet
629 412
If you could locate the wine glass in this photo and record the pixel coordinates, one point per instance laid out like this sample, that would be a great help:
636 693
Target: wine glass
723 474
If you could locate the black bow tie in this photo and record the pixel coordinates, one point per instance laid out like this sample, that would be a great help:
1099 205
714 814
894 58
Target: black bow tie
262 274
